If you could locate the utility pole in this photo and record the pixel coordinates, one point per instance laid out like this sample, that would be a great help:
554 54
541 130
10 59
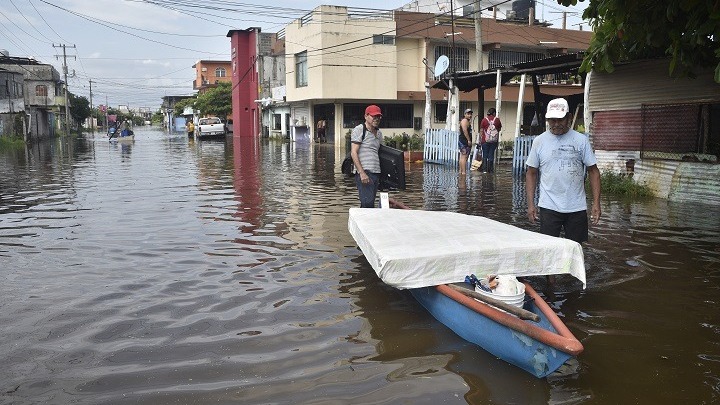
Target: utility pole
453 106
479 52
92 119
478 35
65 72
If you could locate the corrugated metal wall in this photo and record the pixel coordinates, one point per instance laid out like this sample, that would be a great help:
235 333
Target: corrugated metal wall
696 182
616 103
657 175
617 130
616 161
632 85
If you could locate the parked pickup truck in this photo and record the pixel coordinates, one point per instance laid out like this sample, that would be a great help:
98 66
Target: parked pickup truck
210 127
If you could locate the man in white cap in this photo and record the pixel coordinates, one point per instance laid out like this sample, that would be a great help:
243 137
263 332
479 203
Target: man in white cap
561 156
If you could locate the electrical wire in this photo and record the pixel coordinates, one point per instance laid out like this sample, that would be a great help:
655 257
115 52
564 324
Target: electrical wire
252 9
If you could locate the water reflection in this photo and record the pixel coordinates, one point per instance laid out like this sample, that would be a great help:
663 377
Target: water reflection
246 182
176 270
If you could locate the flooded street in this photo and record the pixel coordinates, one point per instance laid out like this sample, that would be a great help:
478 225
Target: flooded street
171 271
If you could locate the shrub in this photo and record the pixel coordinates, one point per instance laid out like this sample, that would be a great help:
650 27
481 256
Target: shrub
416 142
11 142
621 184
405 142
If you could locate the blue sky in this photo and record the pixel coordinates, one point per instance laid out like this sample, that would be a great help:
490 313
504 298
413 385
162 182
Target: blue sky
137 51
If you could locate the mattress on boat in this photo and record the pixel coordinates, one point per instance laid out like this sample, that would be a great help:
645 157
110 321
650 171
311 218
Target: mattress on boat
414 248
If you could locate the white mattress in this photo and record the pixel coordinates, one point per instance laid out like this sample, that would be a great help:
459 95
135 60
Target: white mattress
412 248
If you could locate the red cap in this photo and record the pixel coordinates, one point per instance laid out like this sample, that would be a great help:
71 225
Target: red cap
373 110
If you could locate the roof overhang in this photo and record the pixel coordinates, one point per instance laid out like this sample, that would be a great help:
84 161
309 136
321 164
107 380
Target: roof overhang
469 81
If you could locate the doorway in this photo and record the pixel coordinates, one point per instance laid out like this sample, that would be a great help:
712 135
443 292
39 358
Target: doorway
326 112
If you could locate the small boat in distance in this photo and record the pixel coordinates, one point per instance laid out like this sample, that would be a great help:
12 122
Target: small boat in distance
422 251
126 138
120 132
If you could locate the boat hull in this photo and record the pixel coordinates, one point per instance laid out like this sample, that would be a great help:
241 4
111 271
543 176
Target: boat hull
537 348
128 138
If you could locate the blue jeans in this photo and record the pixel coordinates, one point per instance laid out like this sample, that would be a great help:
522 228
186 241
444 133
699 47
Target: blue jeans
368 191
489 149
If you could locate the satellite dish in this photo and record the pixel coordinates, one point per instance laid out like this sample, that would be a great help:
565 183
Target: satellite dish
441 65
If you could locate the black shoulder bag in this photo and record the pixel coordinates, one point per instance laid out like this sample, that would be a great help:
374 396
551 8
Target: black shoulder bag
347 167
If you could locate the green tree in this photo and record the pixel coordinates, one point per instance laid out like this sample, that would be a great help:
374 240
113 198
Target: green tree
79 108
216 101
158 117
686 31
181 104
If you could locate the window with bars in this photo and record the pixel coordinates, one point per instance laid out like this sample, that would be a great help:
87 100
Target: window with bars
441 110
394 115
301 69
500 58
41 90
277 122
694 138
462 58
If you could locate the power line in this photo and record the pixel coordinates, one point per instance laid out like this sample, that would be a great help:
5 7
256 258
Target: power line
118 29
45 21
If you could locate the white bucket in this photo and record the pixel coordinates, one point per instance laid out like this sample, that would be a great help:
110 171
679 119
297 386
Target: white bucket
509 291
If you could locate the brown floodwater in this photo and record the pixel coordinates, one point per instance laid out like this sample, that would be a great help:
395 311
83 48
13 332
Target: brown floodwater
170 271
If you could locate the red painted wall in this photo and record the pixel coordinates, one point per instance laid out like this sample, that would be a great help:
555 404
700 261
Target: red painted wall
243 56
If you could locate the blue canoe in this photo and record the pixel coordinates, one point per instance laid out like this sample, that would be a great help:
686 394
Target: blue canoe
431 253
538 348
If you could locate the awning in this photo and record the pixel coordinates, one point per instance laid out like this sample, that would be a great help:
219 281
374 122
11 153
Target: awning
469 81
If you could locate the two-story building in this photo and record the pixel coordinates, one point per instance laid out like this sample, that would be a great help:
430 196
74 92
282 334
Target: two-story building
209 73
338 60
12 104
43 96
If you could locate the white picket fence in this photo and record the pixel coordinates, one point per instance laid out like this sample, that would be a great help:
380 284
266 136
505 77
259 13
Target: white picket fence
441 146
521 150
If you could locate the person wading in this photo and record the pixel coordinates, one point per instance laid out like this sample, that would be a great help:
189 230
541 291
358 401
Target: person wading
465 139
366 139
561 156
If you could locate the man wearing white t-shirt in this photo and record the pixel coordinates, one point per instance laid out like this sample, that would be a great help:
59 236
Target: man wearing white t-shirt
560 156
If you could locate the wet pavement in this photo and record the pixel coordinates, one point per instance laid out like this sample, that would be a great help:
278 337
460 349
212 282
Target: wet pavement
167 270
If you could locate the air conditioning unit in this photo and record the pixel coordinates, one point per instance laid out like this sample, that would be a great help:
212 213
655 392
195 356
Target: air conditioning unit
203 69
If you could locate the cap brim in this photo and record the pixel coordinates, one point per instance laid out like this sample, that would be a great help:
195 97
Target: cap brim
551 115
